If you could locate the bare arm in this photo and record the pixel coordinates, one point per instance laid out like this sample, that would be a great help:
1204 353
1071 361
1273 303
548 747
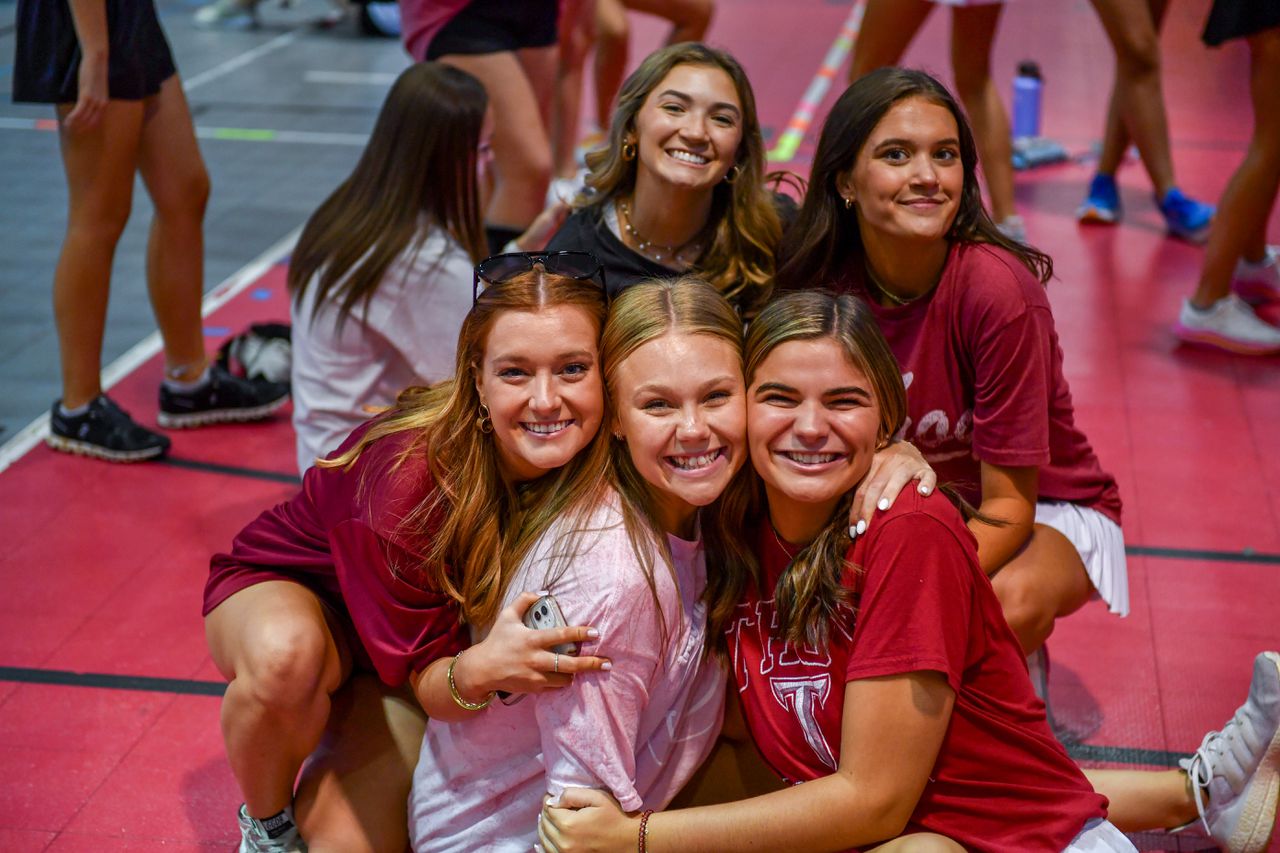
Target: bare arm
511 658
90 20
891 470
892 730
1008 494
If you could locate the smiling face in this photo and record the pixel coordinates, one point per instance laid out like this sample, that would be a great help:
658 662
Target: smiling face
540 378
907 180
689 129
680 408
812 430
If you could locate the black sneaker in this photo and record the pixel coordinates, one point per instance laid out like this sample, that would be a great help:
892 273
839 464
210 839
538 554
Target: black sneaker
223 398
105 431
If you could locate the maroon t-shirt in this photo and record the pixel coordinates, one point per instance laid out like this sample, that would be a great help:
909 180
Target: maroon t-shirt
1001 781
341 537
983 369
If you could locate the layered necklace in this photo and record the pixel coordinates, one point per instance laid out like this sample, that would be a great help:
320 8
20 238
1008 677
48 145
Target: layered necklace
683 254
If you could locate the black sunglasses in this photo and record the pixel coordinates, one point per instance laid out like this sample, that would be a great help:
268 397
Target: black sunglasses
582 266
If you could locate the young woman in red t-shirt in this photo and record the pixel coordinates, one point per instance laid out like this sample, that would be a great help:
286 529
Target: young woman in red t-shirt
894 214
880 673
338 616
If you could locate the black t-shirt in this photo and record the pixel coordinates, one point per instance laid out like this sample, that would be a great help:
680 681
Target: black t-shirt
586 231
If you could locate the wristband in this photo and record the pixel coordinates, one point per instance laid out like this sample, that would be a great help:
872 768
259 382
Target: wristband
644 830
457 697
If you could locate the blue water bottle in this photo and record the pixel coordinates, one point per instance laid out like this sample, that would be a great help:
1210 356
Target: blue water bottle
1026 100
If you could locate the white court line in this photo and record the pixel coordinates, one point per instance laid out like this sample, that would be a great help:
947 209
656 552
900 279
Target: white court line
33 433
222 69
351 78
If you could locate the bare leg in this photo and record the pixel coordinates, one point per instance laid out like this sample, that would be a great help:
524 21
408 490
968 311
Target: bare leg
1145 800
888 26
521 147
918 842
354 791
100 164
1115 137
274 644
689 18
1044 582
1239 229
973 30
577 25
613 35
178 184
1138 96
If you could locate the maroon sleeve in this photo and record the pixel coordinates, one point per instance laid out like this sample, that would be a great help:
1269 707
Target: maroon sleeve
402 624
1010 328
916 602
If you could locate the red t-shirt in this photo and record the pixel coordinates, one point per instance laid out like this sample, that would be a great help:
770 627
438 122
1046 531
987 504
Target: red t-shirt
1001 781
340 537
983 369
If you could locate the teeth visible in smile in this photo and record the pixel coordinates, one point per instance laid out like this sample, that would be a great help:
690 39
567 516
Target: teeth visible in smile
811 458
546 428
688 157
693 463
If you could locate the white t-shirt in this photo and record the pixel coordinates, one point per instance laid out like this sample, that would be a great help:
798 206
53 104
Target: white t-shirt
639 731
408 337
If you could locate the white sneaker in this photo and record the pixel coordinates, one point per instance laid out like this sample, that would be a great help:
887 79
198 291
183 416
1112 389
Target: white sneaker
224 12
1229 324
1239 767
1013 227
1258 281
278 834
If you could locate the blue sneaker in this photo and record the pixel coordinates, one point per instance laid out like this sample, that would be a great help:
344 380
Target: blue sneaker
1186 218
1102 205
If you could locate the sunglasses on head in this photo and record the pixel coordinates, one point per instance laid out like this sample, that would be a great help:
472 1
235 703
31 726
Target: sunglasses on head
581 266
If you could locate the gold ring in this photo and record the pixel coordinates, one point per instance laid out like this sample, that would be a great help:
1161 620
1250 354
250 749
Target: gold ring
555 662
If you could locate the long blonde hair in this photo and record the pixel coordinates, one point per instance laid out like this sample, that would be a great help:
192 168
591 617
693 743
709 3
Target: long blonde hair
739 260
479 526
646 312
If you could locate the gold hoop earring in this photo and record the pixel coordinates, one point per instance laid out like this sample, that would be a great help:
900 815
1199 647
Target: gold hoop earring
484 423
628 151
733 174
848 203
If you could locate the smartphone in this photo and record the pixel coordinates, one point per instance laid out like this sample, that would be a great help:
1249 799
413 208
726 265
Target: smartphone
545 613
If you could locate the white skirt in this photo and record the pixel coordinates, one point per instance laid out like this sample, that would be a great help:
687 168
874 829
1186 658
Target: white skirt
1100 544
1100 836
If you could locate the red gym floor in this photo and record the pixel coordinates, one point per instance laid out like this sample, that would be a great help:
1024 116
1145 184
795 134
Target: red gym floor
109 735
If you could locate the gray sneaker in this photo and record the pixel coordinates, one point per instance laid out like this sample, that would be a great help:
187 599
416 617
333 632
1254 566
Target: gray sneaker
1239 767
1229 324
276 834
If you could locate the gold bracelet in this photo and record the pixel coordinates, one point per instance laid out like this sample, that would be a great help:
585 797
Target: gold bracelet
457 697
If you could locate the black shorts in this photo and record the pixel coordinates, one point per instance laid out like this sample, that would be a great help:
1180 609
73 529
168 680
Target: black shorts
46 62
495 26
1237 19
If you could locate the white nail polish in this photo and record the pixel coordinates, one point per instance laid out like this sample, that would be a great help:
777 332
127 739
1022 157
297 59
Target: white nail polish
924 490
883 505
862 526
853 531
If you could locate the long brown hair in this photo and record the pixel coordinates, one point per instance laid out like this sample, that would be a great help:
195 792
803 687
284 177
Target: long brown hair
420 163
824 238
646 312
479 526
740 258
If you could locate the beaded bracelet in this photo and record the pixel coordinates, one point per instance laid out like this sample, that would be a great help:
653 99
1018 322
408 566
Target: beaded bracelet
457 697
644 830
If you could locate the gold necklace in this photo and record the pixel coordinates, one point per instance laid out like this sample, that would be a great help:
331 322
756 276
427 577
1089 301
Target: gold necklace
783 545
884 291
650 248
